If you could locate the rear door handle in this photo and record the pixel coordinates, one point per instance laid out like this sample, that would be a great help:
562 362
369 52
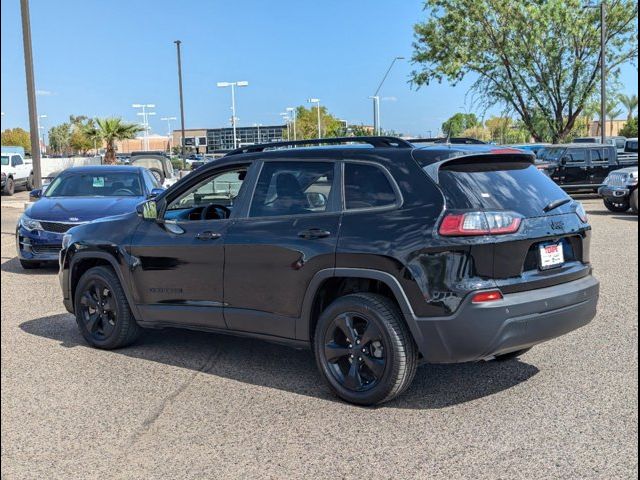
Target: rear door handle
208 235
314 233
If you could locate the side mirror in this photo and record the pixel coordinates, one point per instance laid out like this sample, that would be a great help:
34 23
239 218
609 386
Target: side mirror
317 200
35 194
148 210
155 192
564 161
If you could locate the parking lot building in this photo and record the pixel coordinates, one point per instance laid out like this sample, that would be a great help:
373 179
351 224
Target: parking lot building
221 139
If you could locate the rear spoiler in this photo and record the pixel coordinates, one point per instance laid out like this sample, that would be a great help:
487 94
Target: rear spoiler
507 155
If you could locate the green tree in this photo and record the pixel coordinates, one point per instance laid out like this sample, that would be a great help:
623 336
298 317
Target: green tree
16 137
630 102
307 123
80 140
530 55
60 138
630 130
613 111
460 122
109 131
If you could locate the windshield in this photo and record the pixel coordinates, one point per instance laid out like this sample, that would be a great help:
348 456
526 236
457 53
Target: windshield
631 147
117 184
5 160
620 142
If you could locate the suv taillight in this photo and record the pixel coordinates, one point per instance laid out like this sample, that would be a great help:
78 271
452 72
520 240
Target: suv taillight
479 223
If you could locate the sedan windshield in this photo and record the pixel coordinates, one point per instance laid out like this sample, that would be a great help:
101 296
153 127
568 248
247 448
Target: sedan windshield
117 184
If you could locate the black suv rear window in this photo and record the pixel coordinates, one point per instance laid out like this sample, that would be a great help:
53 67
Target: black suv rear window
514 186
366 186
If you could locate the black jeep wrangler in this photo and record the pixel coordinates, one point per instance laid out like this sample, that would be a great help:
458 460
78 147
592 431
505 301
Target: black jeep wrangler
377 256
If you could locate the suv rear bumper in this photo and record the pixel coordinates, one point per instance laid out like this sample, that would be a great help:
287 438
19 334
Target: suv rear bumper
520 320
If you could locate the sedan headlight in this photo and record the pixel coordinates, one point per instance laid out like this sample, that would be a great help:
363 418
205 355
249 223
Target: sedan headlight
29 223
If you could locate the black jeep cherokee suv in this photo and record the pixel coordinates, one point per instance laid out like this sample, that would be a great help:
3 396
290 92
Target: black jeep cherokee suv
377 258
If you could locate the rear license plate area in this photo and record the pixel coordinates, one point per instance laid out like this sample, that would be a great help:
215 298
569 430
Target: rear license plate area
551 255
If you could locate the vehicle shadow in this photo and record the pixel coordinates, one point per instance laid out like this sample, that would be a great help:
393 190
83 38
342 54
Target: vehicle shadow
632 217
13 266
274 366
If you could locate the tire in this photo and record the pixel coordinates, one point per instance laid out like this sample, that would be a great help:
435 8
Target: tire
100 289
30 182
620 206
158 174
634 201
511 355
387 355
29 264
9 186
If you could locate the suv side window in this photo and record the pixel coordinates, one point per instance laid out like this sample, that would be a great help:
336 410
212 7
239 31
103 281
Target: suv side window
367 186
293 188
598 155
16 161
577 155
202 200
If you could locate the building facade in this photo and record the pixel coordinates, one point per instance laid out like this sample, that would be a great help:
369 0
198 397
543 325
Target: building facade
221 139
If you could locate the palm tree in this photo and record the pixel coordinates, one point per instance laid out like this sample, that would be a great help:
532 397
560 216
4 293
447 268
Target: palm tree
630 102
110 130
613 112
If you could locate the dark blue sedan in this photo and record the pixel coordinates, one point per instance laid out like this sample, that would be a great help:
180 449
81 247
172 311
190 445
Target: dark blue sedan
78 195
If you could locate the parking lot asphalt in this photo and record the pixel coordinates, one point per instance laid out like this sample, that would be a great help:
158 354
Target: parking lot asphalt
185 404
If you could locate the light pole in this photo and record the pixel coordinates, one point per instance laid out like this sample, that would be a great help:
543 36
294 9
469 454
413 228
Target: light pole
184 160
42 128
294 113
31 92
233 86
258 125
145 120
285 117
317 102
169 133
376 99
603 68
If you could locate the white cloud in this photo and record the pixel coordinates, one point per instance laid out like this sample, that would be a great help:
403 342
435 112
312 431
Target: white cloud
44 93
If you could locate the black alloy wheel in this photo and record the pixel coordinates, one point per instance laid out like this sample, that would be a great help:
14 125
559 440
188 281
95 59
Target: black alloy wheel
354 348
98 312
102 311
364 350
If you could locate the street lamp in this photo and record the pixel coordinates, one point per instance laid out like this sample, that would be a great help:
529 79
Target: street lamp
317 102
233 86
603 67
145 120
169 120
294 114
42 128
285 117
376 99
258 125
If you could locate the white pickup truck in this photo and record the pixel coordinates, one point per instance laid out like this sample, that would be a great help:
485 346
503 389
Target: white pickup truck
16 171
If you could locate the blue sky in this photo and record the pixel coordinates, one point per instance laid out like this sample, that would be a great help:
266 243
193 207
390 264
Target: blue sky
98 57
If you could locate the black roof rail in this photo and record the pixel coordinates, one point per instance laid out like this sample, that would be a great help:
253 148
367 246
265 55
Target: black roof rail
376 142
451 140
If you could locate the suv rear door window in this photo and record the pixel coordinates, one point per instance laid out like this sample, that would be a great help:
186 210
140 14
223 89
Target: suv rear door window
367 186
293 188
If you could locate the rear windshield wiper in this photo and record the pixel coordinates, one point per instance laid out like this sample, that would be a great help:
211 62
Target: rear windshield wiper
556 204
